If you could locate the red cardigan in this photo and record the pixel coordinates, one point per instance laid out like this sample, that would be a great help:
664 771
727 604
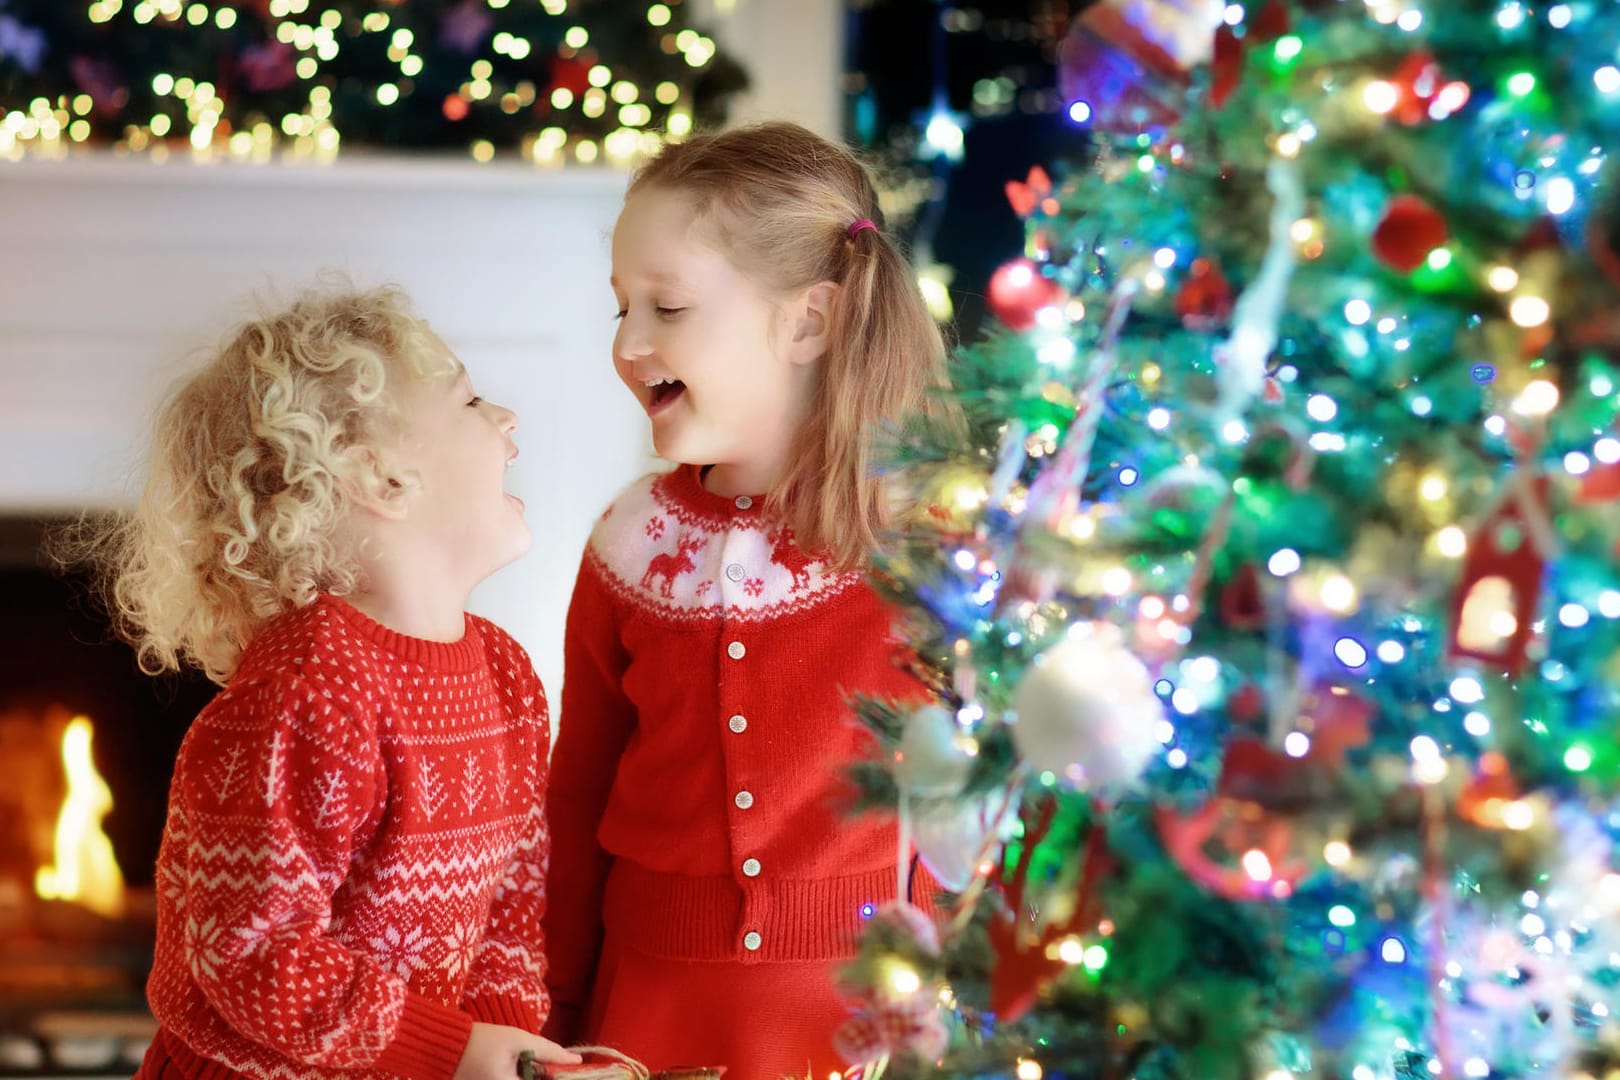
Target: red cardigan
353 863
703 747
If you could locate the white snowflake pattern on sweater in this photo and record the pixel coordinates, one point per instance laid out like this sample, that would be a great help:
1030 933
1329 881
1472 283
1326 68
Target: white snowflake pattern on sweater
343 883
688 565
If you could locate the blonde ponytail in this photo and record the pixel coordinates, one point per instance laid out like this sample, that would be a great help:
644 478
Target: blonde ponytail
783 204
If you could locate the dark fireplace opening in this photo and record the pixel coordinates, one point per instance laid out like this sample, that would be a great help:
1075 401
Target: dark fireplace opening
65 964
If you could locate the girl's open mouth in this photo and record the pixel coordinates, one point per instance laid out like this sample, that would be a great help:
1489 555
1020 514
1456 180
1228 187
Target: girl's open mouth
664 393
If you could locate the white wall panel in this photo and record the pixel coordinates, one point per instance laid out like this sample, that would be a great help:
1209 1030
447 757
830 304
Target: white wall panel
114 273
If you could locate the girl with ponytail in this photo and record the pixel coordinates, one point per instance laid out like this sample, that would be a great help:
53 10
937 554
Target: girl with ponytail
707 880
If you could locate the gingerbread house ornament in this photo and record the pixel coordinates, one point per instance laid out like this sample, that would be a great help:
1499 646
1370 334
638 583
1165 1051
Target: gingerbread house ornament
1493 610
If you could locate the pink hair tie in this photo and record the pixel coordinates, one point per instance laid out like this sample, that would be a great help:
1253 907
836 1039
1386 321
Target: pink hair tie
864 223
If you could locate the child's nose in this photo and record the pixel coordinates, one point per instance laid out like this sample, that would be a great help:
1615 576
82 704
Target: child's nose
630 343
505 419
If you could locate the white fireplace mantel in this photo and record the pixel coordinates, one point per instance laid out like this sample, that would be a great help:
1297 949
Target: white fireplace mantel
116 272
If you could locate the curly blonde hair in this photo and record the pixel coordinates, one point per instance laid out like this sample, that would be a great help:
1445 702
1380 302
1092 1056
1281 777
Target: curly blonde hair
239 517
783 204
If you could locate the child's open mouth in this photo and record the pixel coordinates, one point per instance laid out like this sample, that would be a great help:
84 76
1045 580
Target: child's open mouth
665 392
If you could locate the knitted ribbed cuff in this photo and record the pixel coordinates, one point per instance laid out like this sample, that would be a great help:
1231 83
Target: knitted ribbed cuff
428 1043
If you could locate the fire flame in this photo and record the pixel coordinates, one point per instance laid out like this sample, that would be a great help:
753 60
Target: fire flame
85 872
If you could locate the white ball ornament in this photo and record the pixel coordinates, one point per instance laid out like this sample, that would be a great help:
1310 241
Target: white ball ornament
932 761
1086 711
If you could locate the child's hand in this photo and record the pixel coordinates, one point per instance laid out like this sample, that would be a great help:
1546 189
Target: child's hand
493 1049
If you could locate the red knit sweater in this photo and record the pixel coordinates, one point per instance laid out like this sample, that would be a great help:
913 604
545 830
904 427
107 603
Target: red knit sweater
699 804
352 868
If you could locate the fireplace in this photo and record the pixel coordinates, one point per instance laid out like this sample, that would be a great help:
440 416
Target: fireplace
87 742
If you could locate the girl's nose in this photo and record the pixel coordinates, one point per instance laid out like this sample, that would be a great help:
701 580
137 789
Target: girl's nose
629 343
505 419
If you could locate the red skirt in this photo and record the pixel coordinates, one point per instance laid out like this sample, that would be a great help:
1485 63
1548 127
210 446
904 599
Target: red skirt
759 1021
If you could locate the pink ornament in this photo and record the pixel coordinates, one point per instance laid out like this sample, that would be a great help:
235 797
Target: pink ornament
101 80
269 66
465 26
1128 60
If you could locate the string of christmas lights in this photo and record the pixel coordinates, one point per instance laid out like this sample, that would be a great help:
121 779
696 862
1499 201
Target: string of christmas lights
548 80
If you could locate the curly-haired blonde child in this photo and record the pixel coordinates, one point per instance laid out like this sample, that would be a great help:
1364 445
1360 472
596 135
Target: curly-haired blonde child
350 881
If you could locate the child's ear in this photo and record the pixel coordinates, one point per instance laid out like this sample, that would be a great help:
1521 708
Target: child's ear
371 486
813 322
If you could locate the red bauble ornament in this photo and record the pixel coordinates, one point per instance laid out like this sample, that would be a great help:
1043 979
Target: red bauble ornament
570 73
1418 79
1204 300
1410 229
1018 290
1243 605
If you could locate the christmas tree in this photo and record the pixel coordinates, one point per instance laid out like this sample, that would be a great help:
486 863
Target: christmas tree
1272 599
552 80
